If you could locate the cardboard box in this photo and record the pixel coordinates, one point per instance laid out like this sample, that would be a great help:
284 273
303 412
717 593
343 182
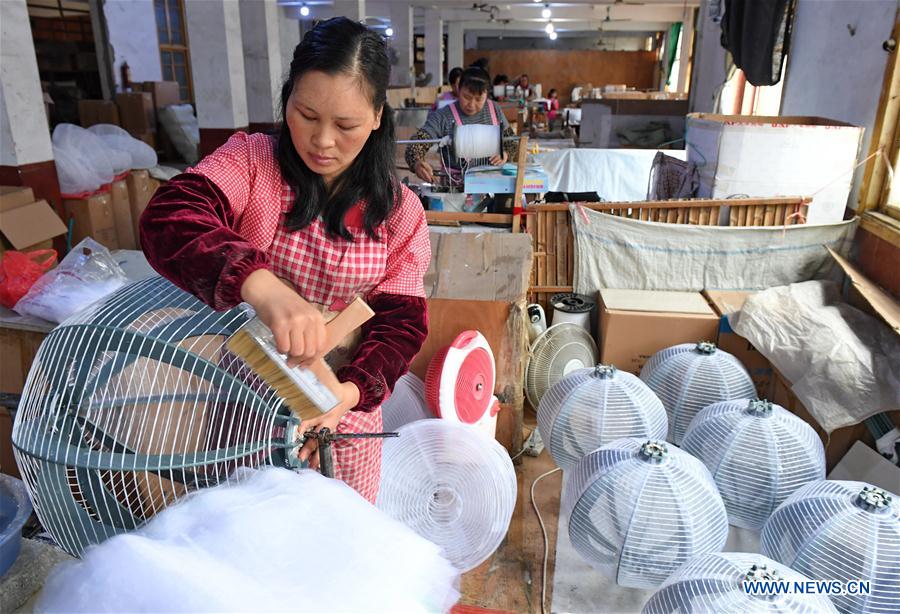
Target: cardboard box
31 226
7 458
93 218
12 196
790 156
164 93
92 112
841 440
18 346
140 189
759 367
635 324
863 464
121 208
136 112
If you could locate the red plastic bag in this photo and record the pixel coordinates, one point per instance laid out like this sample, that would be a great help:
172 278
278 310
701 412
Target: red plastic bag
19 271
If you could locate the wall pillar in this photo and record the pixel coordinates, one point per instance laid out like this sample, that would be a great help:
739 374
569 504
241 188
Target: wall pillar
26 152
352 9
455 45
402 43
434 46
260 34
217 58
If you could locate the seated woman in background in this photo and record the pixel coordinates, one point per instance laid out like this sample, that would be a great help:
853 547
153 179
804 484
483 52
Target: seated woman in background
552 105
472 107
453 94
524 91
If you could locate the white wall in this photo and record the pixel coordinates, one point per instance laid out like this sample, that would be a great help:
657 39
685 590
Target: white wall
133 38
833 73
24 134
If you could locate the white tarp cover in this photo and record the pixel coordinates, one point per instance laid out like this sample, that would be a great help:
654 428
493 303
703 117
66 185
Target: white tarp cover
842 363
616 252
615 174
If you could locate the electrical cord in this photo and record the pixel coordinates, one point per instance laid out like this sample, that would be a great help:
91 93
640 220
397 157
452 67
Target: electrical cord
546 539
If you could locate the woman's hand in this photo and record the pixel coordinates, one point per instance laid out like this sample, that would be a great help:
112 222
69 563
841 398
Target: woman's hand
499 160
349 400
424 171
298 327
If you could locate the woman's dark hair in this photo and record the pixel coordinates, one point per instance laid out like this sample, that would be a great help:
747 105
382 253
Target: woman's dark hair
454 74
475 79
501 79
550 93
341 46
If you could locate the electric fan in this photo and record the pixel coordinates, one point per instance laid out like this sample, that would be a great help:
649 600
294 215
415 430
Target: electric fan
688 377
637 510
592 407
451 484
558 351
845 531
716 582
758 453
459 384
406 403
134 403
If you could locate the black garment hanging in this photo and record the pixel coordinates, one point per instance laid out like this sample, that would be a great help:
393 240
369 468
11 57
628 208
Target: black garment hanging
757 33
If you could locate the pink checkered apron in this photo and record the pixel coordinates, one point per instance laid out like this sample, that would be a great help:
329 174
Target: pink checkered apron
330 273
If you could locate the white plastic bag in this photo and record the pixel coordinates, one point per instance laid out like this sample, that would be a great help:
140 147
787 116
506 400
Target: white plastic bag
87 148
841 362
181 125
140 155
86 274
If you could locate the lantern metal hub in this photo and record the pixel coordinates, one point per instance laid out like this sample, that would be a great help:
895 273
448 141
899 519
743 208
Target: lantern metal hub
760 407
706 347
605 371
654 451
873 499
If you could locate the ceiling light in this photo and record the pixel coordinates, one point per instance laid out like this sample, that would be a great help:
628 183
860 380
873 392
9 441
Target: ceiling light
304 10
553 36
546 13
389 32
549 27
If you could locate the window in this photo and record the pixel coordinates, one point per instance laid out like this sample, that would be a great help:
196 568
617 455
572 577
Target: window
173 46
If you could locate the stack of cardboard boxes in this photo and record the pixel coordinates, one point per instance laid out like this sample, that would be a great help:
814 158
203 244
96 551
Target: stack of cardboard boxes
111 217
136 111
635 324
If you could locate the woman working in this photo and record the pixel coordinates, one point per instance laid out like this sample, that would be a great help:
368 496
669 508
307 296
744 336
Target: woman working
472 107
316 205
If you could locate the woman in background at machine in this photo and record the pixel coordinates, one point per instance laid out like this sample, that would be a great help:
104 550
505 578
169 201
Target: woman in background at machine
552 107
447 97
472 107
524 91
301 222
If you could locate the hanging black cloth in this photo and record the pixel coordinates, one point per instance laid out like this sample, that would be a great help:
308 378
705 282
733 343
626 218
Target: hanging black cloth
757 33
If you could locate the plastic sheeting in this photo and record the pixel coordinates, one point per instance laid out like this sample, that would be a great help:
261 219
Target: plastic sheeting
277 541
616 252
842 362
615 174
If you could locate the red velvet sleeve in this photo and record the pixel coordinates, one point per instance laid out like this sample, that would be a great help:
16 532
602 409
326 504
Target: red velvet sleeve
187 235
391 339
